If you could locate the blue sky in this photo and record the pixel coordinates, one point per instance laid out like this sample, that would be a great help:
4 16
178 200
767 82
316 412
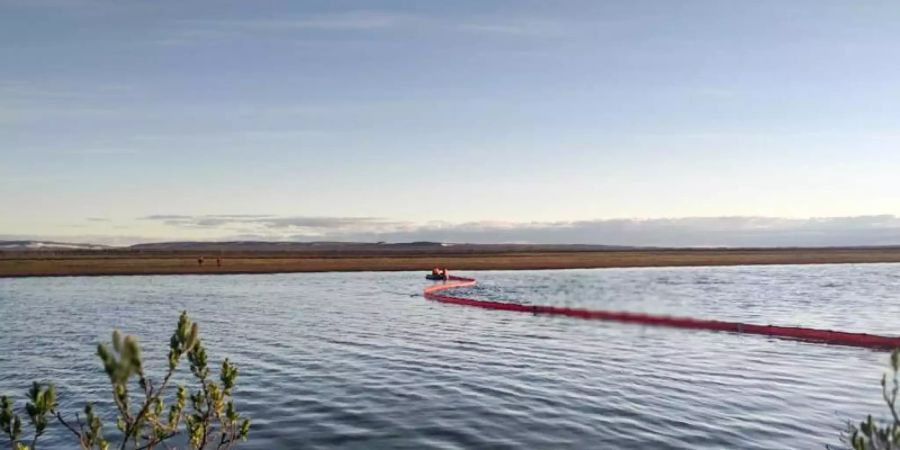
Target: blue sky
433 119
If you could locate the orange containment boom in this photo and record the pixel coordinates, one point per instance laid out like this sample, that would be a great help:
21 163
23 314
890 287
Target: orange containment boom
807 334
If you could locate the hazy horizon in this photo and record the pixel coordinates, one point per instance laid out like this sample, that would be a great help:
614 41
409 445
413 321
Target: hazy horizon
680 232
623 123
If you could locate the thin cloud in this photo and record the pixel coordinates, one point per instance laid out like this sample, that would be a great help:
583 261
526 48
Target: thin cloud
230 136
738 231
212 30
100 151
189 218
322 222
517 27
269 224
16 89
344 21
363 21
164 217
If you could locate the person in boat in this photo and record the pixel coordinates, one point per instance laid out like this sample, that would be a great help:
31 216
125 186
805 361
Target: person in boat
435 272
444 273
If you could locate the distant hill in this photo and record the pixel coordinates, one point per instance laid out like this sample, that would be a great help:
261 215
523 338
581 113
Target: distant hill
19 249
324 248
358 247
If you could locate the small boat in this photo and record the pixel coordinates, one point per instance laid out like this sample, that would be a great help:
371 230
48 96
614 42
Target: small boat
432 276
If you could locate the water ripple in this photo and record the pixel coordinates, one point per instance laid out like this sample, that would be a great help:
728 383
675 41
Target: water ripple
354 361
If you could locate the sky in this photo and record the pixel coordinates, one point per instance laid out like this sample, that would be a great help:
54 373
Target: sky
697 122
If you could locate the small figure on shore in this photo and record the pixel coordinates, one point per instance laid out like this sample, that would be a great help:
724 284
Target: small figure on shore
200 261
219 262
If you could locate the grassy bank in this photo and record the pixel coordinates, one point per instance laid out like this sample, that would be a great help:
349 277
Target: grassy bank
61 264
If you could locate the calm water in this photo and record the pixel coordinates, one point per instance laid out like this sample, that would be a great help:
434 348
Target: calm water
362 361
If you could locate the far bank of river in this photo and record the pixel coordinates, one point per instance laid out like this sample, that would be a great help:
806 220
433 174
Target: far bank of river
38 264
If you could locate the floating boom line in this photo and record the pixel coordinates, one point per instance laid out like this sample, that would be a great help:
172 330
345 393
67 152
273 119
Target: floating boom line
436 293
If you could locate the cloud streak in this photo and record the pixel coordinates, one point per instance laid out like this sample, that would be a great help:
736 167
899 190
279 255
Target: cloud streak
280 225
343 21
358 21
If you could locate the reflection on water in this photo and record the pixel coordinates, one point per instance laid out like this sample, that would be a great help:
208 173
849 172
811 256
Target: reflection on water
361 361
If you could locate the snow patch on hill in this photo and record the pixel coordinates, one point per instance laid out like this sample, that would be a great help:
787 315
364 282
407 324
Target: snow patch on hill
47 245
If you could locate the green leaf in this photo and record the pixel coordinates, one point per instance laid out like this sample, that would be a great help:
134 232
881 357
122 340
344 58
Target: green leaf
245 429
117 341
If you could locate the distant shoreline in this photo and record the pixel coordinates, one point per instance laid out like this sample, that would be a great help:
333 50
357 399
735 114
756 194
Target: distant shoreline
43 264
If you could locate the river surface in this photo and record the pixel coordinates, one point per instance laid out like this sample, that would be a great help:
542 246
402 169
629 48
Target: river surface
361 360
